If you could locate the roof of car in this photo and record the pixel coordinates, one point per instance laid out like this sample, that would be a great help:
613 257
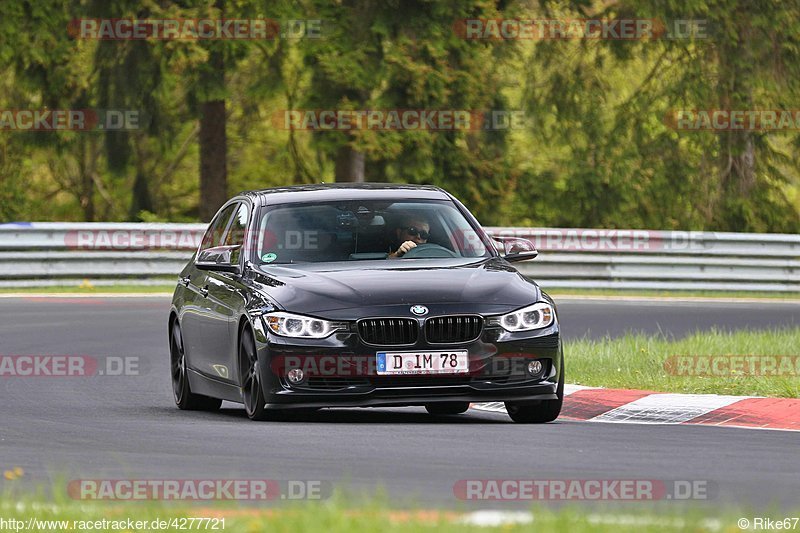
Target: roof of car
347 191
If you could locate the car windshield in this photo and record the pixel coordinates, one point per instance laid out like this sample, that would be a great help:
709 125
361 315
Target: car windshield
364 230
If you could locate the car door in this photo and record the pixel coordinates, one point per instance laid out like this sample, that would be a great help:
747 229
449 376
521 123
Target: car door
204 328
226 298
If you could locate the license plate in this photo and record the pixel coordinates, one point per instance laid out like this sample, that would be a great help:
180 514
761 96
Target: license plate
409 363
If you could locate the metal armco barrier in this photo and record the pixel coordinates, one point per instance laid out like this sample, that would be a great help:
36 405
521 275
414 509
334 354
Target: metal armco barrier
50 254
661 260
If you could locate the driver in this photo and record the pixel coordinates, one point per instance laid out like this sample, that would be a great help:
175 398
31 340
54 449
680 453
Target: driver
411 231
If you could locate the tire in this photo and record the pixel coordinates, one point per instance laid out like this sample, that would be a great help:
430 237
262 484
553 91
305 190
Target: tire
184 398
250 378
539 412
447 408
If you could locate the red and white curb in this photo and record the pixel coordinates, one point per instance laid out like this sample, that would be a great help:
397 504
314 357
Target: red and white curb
646 407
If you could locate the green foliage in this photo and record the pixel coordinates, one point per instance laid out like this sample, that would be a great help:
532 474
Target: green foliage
12 191
390 56
605 102
598 150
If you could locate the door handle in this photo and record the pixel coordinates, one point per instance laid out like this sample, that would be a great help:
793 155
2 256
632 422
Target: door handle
185 281
204 292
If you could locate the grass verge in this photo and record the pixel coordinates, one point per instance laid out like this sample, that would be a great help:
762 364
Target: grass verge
635 293
641 362
341 514
88 290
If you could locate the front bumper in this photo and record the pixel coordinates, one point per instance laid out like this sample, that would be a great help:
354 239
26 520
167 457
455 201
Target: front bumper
497 362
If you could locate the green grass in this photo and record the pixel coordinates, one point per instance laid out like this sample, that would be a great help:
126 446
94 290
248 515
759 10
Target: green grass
638 362
103 289
377 514
560 292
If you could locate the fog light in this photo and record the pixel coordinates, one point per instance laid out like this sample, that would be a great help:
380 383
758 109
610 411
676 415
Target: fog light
295 375
535 367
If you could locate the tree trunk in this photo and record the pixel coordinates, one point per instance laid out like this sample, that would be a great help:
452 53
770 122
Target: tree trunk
213 142
87 183
213 158
349 165
737 148
743 162
141 200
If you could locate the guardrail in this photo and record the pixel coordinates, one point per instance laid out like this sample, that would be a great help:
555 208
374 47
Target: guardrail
661 260
50 254
45 254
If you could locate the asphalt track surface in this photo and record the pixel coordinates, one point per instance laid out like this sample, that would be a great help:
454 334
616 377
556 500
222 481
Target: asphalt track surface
114 427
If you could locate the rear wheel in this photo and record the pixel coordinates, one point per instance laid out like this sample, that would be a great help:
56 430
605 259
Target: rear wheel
447 408
541 411
252 388
181 392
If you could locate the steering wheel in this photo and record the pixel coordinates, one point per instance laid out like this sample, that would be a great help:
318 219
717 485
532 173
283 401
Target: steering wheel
428 250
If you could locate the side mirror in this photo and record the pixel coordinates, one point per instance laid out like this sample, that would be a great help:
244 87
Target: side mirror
516 249
220 259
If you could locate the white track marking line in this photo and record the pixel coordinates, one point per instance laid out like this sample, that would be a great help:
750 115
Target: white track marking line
710 524
653 410
643 423
499 407
667 408
492 407
494 518
570 389
489 518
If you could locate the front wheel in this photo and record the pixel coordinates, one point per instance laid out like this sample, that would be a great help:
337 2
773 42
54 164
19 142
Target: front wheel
541 411
184 397
252 388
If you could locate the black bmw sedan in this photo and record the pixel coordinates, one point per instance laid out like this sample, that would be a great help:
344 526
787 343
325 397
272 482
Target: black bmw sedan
361 295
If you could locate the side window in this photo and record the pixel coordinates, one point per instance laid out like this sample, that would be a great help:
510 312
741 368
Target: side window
216 230
238 227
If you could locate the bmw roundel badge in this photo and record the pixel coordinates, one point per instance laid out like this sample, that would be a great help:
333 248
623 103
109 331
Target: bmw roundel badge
419 310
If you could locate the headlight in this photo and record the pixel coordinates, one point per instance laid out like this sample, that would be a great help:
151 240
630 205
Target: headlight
299 326
536 316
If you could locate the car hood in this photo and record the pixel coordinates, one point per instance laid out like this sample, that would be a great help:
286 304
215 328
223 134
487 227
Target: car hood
487 286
